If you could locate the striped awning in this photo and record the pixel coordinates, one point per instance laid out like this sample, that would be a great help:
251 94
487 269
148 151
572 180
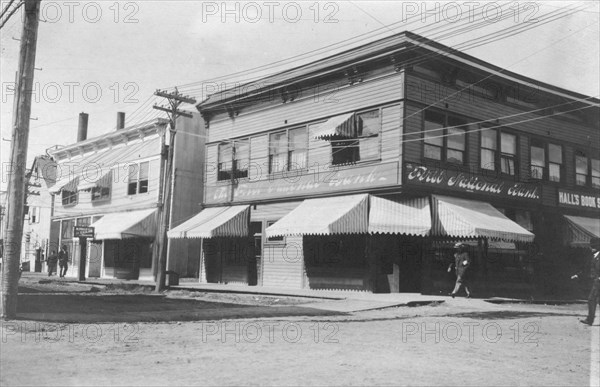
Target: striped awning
104 181
337 127
68 184
472 219
127 224
582 229
215 222
409 216
325 216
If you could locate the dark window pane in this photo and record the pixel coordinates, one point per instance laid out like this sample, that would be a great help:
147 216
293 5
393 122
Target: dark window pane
508 143
433 152
132 188
489 139
456 139
455 156
507 165
555 153
488 159
554 172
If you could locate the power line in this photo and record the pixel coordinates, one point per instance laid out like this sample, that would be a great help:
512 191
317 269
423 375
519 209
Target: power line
11 13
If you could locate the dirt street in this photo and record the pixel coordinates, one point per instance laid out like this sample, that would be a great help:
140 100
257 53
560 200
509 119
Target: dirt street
251 340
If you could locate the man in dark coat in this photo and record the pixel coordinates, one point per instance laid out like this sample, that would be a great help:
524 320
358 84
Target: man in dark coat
52 260
462 264
63 260
594 297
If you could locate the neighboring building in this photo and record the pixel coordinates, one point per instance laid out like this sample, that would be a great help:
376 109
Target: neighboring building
114 183
36 226
361 170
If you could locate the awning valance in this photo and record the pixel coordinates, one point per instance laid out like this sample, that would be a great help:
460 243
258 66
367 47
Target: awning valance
123 225
215 222
68 184
325 216
340 127
104 181
471 219
582 229
409 216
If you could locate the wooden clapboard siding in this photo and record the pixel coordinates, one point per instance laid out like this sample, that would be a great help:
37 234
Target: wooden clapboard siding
283 265
211 165
346 99
272 212
119 200
412 151
474 106
391 132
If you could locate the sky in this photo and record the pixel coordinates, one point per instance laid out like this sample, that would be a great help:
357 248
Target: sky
101 57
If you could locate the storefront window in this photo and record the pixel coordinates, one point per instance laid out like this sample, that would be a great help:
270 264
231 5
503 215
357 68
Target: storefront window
67 228
83 222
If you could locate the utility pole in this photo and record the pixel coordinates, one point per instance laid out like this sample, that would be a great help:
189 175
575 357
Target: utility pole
20 139
175 100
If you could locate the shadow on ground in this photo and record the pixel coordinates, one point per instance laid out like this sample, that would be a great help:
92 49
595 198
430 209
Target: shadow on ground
92 308
507 314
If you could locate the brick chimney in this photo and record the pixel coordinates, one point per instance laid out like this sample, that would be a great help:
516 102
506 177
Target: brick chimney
83 127
120 120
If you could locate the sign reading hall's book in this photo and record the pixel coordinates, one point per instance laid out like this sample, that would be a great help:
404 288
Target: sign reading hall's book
576 199
465 181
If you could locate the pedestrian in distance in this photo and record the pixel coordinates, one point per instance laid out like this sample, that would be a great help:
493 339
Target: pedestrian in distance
462 265
52 260
594 297
63 260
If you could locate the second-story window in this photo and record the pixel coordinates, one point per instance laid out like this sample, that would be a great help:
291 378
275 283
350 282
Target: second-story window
364 143
297 148
138 178
69 197
554 162
538 160
233 160
288 150
545 162
508 153
444 138
102 189
595 163
498 151
587 170
581 168
241 158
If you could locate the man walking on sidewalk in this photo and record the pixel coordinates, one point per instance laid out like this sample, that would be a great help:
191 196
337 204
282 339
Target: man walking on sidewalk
52 259
594 297
63 260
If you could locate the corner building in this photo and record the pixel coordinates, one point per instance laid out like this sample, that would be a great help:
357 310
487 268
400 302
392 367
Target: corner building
361 170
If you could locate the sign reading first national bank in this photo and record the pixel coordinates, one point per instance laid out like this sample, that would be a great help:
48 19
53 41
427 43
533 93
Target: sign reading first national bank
466 181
